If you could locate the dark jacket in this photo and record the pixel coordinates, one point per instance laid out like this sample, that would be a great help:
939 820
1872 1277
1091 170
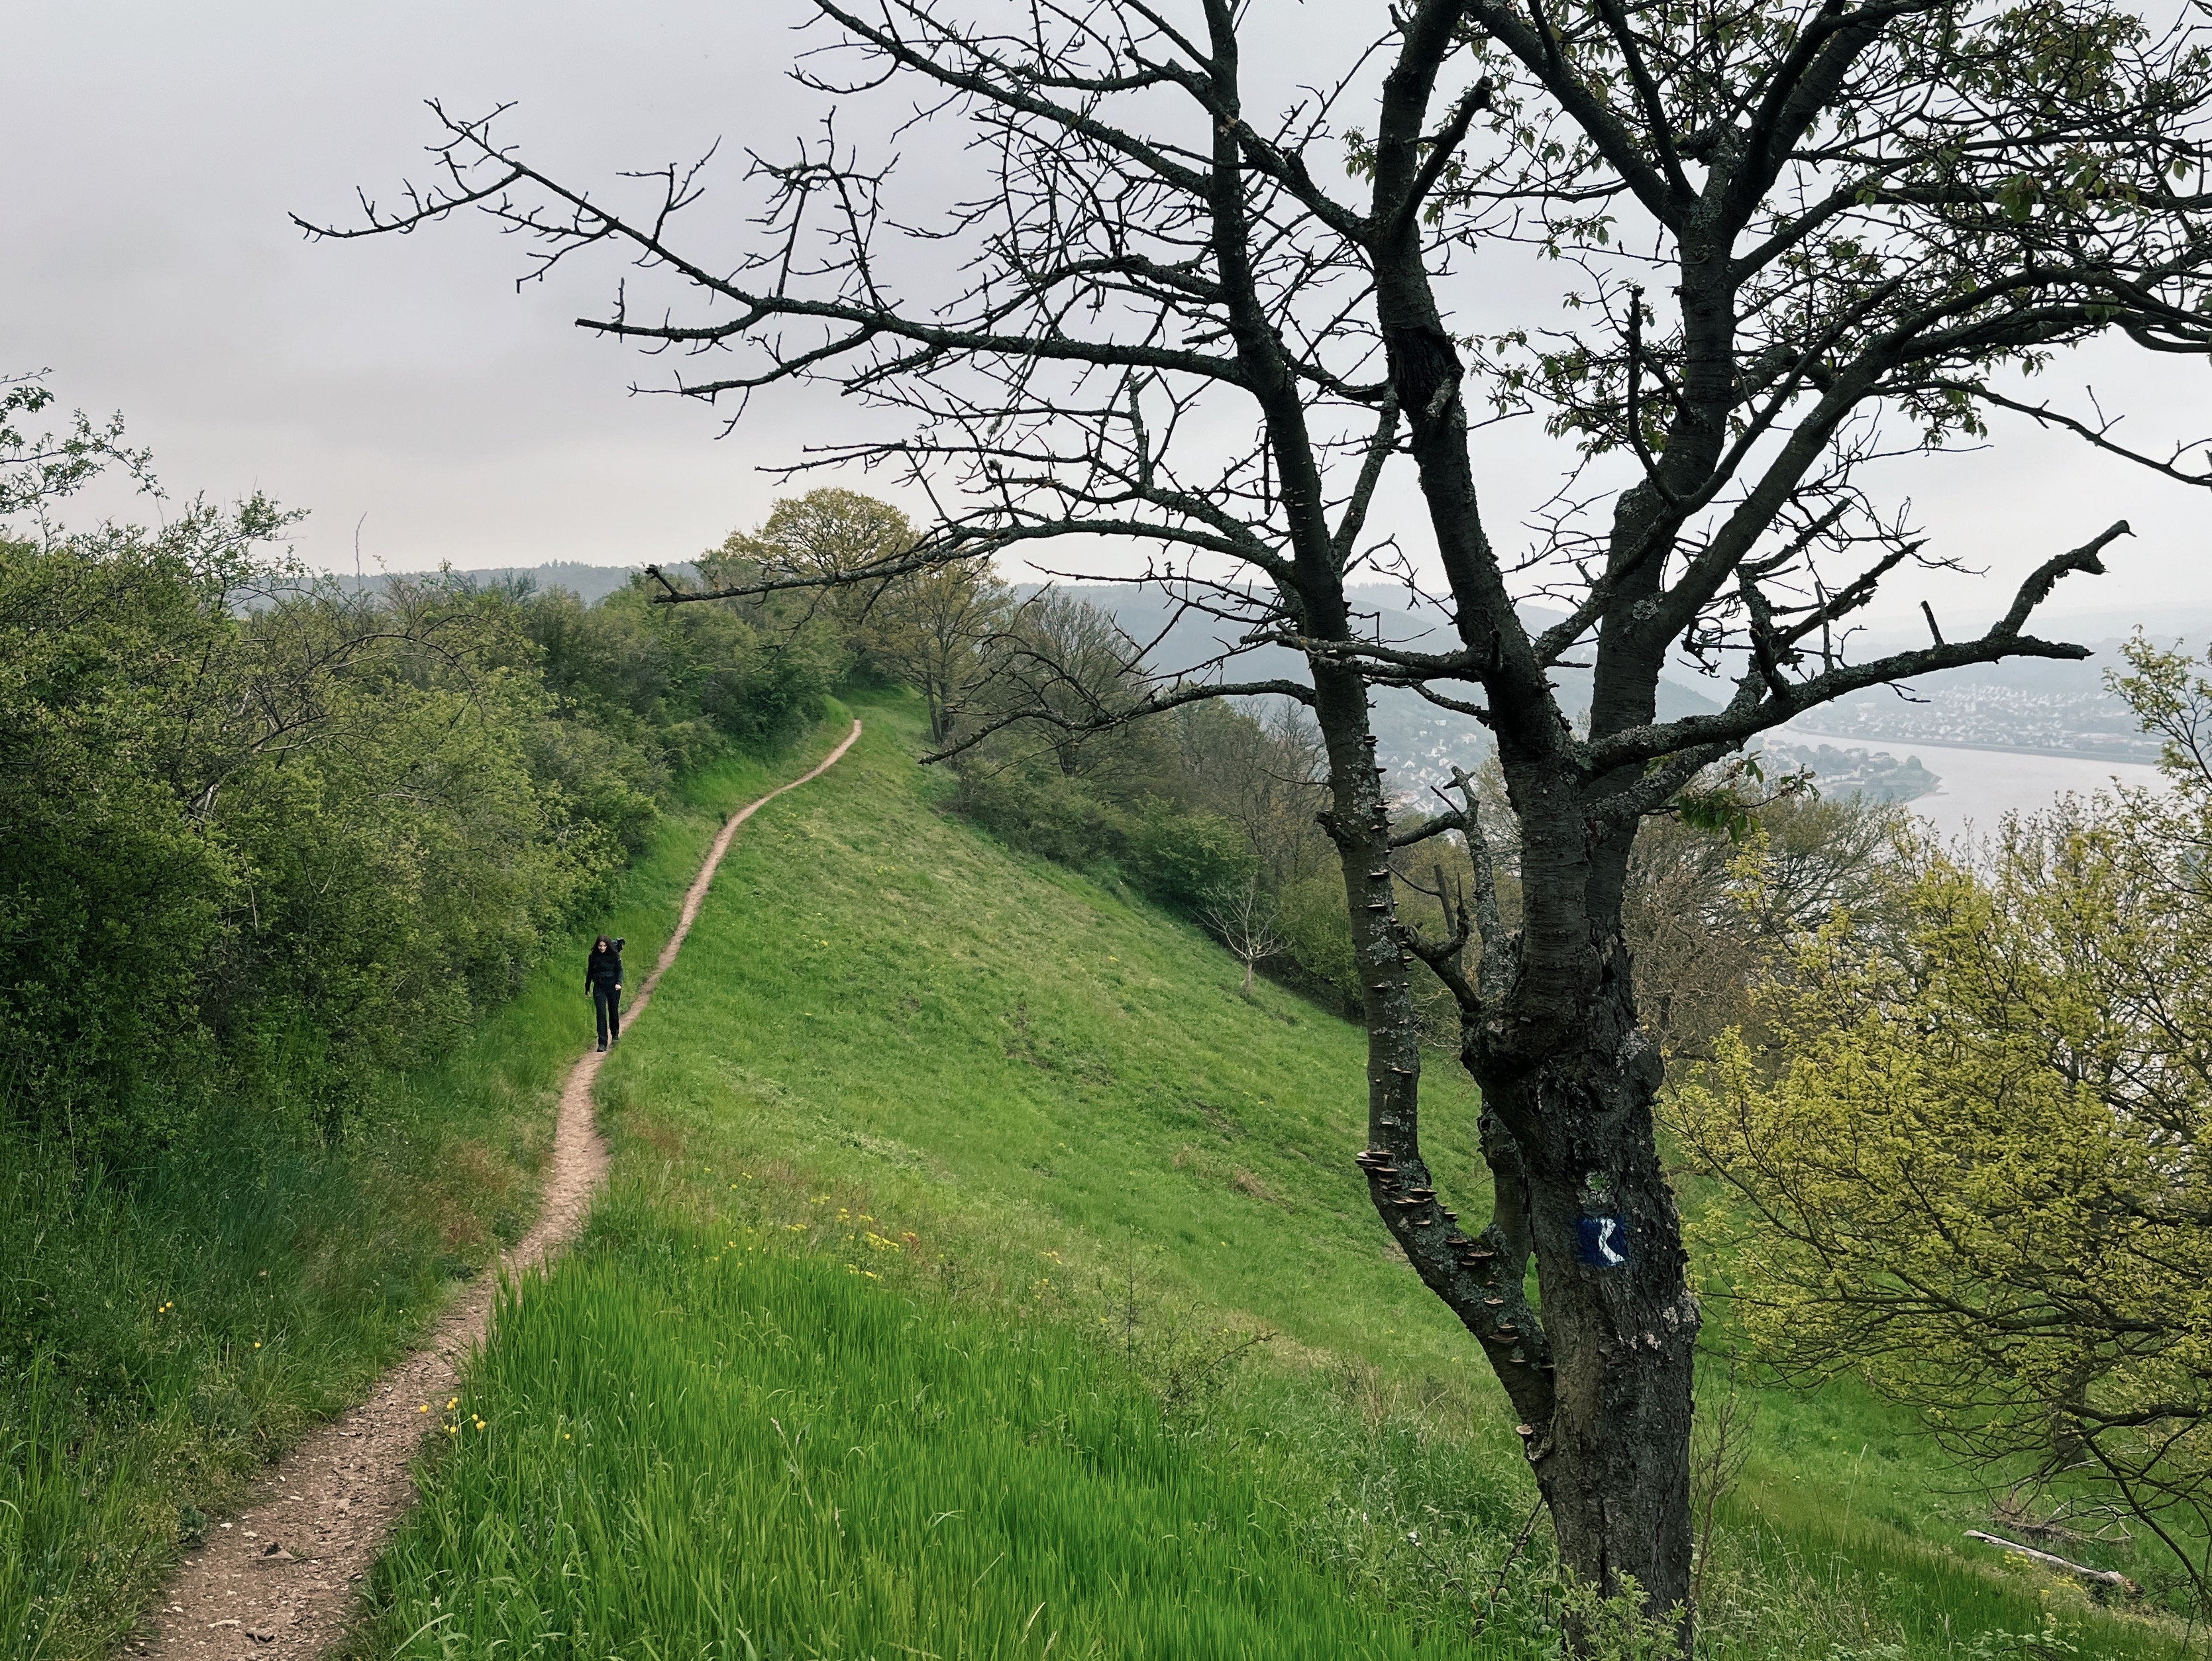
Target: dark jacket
603 967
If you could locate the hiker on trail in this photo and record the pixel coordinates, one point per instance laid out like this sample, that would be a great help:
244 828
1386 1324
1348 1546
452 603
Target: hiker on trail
602 977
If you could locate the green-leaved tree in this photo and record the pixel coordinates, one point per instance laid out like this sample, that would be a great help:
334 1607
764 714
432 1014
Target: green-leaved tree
1972 1163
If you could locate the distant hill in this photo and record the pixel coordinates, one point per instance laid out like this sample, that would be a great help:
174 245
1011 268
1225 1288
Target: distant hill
1417 742
2034 705
587 582
2192 622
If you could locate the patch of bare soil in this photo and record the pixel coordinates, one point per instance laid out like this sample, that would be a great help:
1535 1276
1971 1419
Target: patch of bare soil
281 1579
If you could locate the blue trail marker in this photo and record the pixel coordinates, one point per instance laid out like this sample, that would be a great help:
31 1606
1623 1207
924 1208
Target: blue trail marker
1603 1241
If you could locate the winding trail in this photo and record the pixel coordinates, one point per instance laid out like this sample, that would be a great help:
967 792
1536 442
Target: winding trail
279 1579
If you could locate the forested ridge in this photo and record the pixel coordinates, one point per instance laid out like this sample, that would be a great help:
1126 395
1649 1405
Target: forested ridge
279 855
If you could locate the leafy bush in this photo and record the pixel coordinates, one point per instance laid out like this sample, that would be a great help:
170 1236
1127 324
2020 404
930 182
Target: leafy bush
679 681
265 838
1054 818
1176 856
1186 857
1319 937
284 844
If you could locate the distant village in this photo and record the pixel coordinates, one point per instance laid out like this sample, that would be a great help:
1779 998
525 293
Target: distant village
2081 719
1421 746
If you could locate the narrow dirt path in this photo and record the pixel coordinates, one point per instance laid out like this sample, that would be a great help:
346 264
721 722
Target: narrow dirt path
279 1579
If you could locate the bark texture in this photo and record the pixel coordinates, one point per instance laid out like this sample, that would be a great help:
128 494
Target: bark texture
1600 1382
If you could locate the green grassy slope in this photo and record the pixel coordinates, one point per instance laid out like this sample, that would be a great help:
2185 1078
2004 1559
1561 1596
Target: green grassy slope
680 1448
898 1004
157 1344
910 1113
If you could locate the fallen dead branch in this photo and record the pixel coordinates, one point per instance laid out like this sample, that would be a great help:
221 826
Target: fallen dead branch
2102 1577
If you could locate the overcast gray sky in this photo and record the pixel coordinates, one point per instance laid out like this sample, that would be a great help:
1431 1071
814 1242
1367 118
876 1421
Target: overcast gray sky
405 385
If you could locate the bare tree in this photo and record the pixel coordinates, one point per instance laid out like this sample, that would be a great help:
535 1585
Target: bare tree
1263 770
1058 664
1244 918
931 630
1707 915
1797 236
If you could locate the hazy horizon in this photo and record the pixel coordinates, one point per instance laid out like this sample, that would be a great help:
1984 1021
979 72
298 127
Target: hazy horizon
407 395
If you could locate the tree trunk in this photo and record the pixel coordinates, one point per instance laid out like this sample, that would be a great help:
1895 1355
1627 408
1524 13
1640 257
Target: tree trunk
1613 1464
1601 1380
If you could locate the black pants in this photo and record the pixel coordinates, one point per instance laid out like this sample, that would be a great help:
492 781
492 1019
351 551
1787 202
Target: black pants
607 1000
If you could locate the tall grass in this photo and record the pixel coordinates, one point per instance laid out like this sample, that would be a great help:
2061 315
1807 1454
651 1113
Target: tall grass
686 1446
756 1440
160 1338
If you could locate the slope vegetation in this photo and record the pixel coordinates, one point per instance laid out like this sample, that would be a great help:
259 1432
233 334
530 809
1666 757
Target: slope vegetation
166 1340
984 1275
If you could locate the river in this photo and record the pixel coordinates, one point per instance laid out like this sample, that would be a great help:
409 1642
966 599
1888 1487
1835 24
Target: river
1980 787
